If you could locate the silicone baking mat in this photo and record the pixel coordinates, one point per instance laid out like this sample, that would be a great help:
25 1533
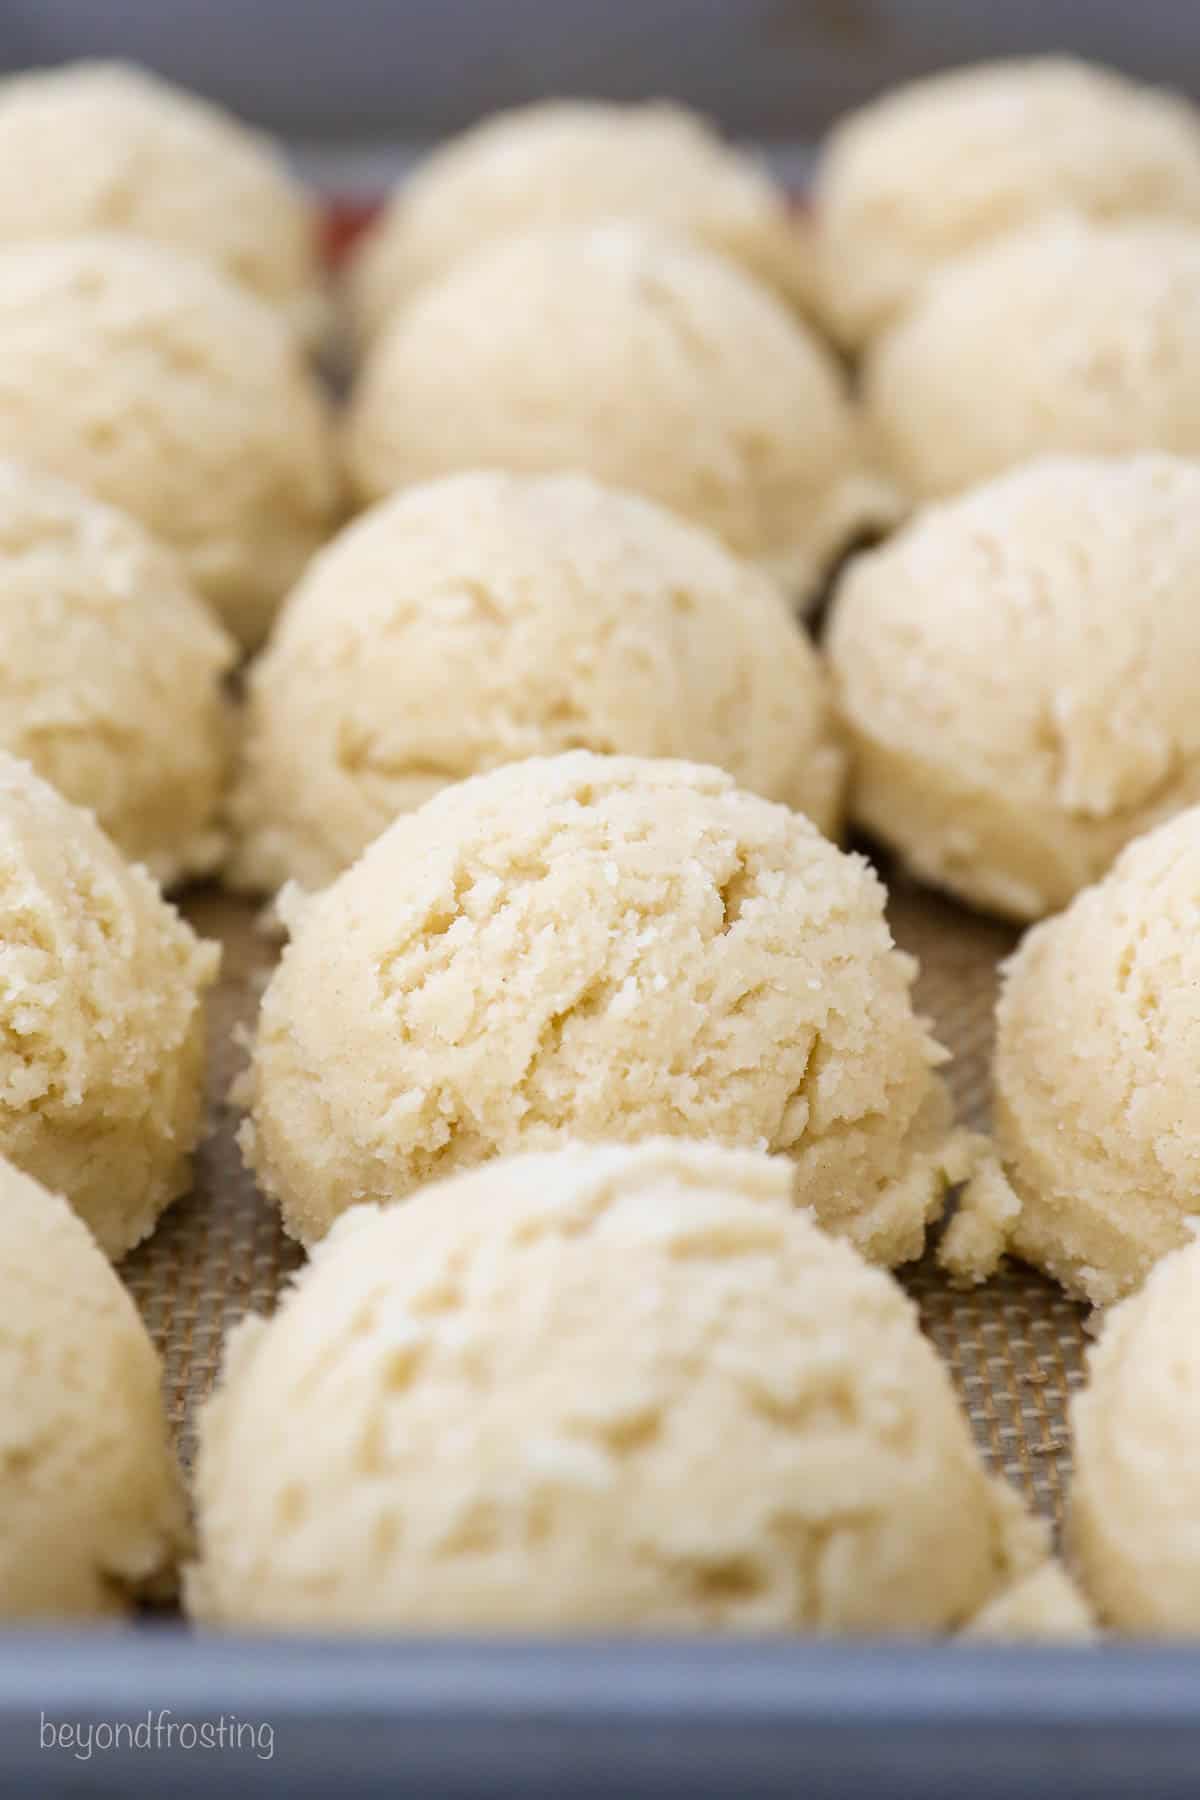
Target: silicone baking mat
1015 1347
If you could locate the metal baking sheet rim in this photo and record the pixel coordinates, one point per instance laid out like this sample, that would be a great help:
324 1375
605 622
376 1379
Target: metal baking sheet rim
611 1717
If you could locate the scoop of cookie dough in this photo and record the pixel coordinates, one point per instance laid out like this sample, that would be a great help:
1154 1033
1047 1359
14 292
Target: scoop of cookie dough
596 1387
99 146
486 618
1136 1429
651 364
1044 1606
111 673
950 163
1097 1139
1075 338
1015 668
572 162
101 1017
162 387
91 1507
599 947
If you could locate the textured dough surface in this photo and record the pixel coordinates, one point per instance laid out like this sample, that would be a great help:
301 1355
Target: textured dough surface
618 352
486 618
107 147
111 673
1016 671
1098 1041
101 1017
600 1387
1073 338
572 162
1136 1430
160 386
91 1506
945 165
599 947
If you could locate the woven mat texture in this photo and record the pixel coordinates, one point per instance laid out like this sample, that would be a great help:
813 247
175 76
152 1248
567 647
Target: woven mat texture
1015 1347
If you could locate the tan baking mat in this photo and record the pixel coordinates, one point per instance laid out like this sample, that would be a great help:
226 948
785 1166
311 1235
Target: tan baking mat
1015 1347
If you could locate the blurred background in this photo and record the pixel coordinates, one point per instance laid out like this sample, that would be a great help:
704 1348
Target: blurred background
347 75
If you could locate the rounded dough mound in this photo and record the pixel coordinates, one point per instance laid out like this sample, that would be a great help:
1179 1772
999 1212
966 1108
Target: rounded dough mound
101 1017
91 1506
648 363
1098 1035
599 947
111 673
945 165
1074 338
1136 1430
572 162
106 147
1015 669
165 389
487 618
599 1387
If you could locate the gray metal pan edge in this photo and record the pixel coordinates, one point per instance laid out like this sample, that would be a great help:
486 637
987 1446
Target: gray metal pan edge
598 1720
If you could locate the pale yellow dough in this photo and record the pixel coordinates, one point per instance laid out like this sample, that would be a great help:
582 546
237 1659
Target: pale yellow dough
599 947
596 1388
1072 338
1045 1606
1016 672
101 146
574 162
111 673
950 163
1097 1168
486 618
101 1017
167 390
647 362
1136 1426
92 1514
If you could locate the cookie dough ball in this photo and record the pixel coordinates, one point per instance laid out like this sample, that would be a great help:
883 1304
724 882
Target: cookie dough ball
91 1506
1045 1606
1098 1031
574 162
949 164
1076 338
101 1017
598 1387
1136 1429
486 618
619 353
111 673
165 389
1015 668
105 147
602 948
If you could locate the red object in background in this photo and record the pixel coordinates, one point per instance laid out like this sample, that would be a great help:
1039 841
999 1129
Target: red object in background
342 224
